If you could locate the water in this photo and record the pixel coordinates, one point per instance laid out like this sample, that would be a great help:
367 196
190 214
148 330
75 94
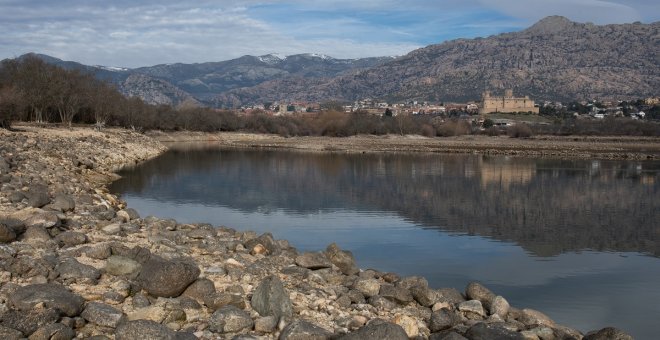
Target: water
576 239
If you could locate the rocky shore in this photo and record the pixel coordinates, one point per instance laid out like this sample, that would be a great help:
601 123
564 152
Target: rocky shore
75 262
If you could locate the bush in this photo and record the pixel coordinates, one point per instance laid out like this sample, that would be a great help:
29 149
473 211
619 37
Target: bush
493 131
520 130
454 128
428 130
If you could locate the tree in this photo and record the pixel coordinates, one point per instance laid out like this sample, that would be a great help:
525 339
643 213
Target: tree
488 123
388 113
33 78
9 105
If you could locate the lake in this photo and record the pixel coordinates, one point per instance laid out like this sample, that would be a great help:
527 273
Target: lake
576 239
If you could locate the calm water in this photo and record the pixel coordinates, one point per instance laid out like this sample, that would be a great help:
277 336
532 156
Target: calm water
578 240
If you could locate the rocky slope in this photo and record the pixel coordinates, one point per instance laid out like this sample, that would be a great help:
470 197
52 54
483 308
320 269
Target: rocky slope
76 262
555 59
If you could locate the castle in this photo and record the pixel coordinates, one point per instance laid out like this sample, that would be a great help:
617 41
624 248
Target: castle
508 103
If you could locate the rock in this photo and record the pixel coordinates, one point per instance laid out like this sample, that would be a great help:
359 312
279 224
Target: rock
368 287
102 314
447 336
313 260
122 266
55 331
270 298
28 321
230 319
540 333
412 281
43 219
450 295
343 259
70 268
218 300
408 324
7 234
7 333
483 331
476 291
500 307
266 324
99 251
160 277
304 330
381 302
201 290
424 296
50 295
132 213
472 306
609 333
396 294
265 240
377 331
112 229
35 234
532 317
70 238
63 203
5 167
16 196
442 319
143 330
37 196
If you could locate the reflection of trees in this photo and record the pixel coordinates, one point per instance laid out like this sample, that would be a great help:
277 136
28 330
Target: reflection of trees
546 206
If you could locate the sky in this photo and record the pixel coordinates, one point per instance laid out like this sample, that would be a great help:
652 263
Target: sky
148 32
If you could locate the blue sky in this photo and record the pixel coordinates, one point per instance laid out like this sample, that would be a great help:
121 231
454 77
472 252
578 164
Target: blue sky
148 32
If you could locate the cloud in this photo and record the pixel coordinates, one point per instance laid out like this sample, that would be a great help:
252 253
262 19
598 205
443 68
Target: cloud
146 32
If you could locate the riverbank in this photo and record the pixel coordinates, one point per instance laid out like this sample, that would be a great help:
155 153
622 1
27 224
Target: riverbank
583 147
75 261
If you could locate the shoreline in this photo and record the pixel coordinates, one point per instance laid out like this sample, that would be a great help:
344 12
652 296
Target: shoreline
570 147
127 276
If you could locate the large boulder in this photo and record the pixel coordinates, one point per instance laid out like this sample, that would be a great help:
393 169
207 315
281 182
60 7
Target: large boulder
230 319
270 298
50 295
167 278
28 321
201 290
7 333
377 331
609 333
63 203
143 330
103 315
443 319
53 331
70 238
37 196
70 268
122 266
483 331
304 330
7 234
313 260
343 259
476 291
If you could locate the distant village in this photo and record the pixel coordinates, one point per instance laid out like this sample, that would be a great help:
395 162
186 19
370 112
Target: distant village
490 104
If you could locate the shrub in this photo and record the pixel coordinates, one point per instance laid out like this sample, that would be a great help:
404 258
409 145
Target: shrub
453 128
520 130
428 130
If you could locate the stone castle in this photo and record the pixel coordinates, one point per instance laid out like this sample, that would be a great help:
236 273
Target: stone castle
508 103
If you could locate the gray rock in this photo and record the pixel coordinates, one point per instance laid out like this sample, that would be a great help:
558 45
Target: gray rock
102 314
368 287
70 268
71 238
450 295
16 196
396 294
50 294
313 260
483 331
122 266
412 281
230 319
55 331
35 234
7 234
442 319
476 291
377 331
63 203
201 290
265 240
5 167
343 259
132 213
28 321
160 277
447 336
531 317
44 219
38 196
500 307
303 330
99 251
270 298
472 306
111 229
7 333
265 324
143 330
424 296
219 300
609 333
381 302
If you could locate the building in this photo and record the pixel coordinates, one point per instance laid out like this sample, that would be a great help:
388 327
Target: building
508 103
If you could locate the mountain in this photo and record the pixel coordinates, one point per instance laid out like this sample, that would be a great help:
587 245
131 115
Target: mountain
555 59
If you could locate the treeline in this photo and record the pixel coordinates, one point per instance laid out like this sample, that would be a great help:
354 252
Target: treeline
32 90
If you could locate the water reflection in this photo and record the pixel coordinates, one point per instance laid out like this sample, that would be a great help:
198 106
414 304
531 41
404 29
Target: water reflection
548 207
